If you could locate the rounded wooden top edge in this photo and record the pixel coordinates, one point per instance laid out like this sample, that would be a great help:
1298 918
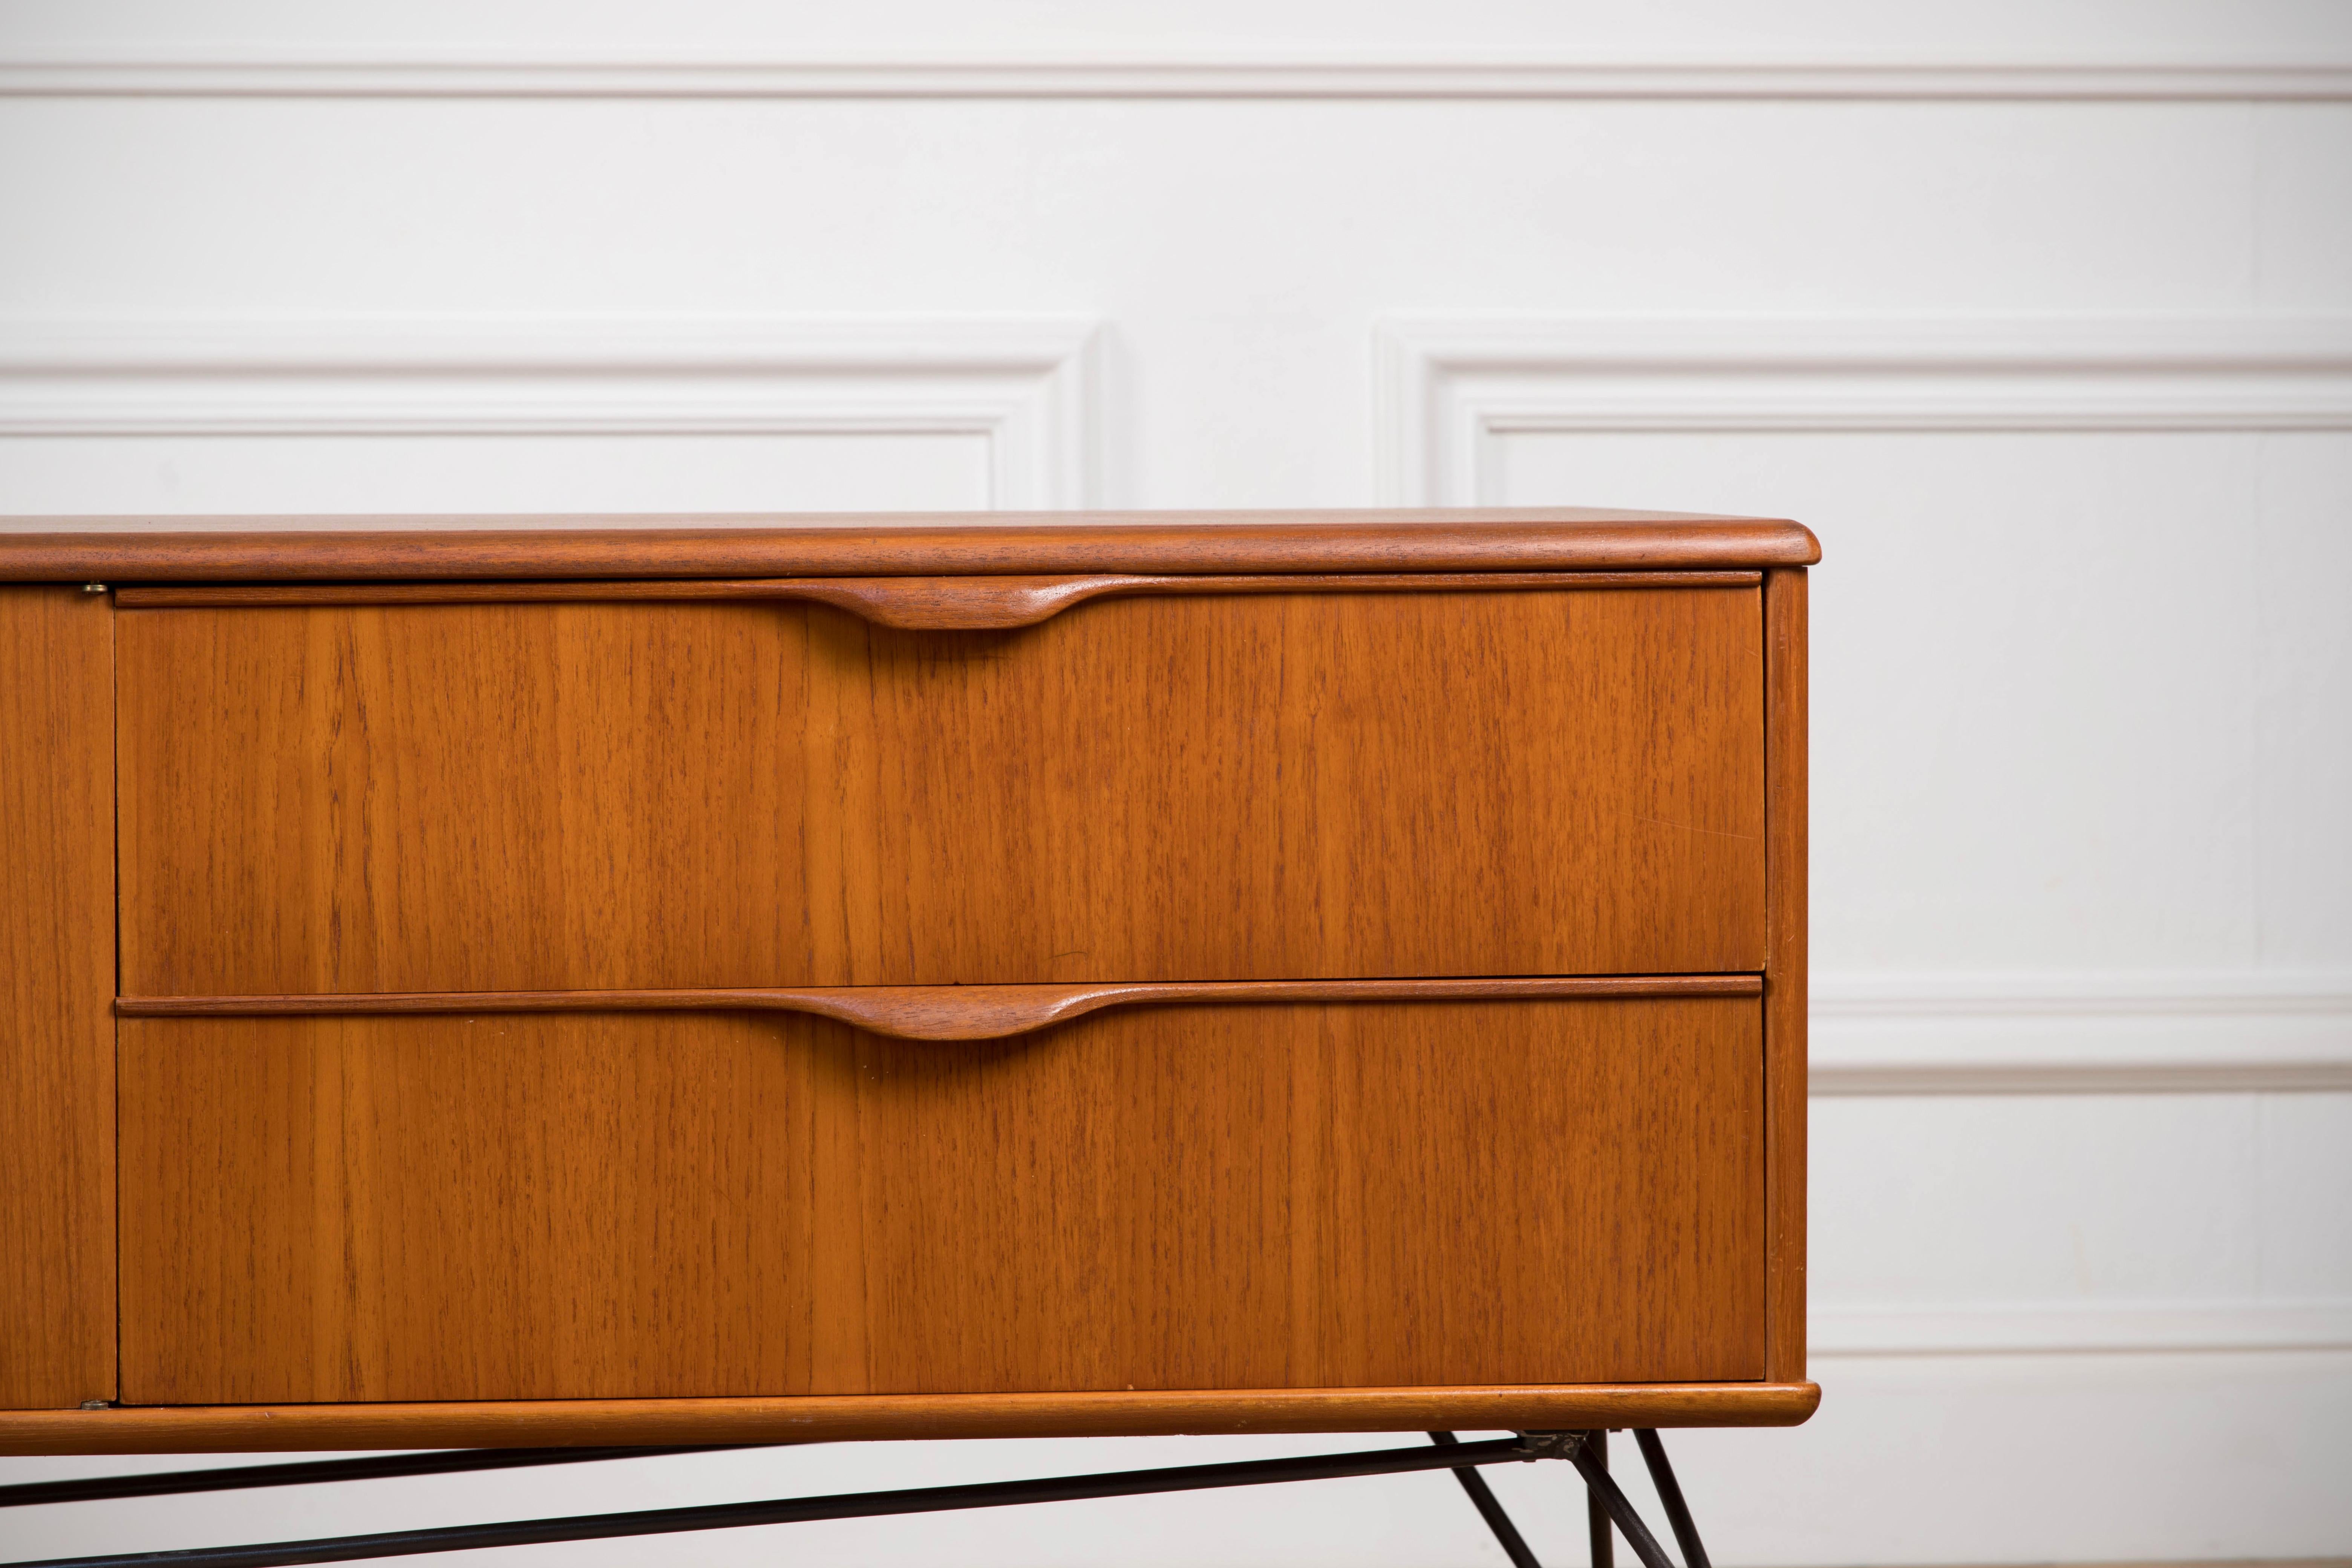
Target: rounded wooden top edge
127 549
823 1418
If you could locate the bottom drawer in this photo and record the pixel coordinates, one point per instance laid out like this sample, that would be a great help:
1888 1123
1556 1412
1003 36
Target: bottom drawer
1240 1196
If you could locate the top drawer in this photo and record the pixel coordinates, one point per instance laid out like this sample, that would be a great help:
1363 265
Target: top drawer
519 796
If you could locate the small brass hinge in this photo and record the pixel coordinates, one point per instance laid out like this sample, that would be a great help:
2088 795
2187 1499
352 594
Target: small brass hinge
97 1405
93 587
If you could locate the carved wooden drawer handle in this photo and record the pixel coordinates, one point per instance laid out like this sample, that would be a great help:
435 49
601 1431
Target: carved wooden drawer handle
912 604
945 1012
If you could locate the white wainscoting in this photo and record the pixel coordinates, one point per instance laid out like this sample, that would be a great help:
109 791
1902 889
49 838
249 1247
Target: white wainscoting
377 71
1444 389
2077 1327
979 413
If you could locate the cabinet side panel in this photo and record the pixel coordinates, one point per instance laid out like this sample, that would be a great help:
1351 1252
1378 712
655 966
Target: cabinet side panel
1784 976
56 992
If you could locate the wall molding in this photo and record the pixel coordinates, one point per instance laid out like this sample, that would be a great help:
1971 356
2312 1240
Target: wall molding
1446 388
1026 386
2089 1033
410 73
2078 1328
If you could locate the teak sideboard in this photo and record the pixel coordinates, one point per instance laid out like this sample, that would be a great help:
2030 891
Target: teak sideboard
610 982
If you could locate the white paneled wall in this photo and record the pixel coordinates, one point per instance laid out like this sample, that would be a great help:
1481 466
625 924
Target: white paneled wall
2040 315
548 415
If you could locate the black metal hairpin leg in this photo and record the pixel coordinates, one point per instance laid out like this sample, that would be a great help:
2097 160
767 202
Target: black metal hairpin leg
1670 1496
1596 1515
1601 1489
851 1505
312 1472
1607 1509
1490 1508
1586 1450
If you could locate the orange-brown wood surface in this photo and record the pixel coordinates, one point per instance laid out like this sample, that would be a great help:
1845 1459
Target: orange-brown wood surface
623 796
447 1209
1785 970
1546 539
922 603
1437 1194
834 1418
1236 1196
942 1012
57 968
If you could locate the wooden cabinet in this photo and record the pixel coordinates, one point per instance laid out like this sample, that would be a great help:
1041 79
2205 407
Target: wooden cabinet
603 985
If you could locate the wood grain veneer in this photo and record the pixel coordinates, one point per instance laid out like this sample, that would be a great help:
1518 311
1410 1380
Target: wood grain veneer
56 958
457 1423
913 604
1564 538
510 797
1786 813
941 1012
1238 1197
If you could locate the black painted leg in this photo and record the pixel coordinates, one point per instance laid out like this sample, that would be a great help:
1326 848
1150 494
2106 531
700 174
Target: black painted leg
1596 1515
782 1511
1607 1506
315 1472
1616 1507
1670 1494
1490 1508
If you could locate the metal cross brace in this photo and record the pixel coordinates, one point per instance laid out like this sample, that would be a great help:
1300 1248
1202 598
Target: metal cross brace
1587 1450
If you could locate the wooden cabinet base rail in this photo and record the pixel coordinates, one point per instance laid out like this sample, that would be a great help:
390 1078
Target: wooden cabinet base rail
564 1423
